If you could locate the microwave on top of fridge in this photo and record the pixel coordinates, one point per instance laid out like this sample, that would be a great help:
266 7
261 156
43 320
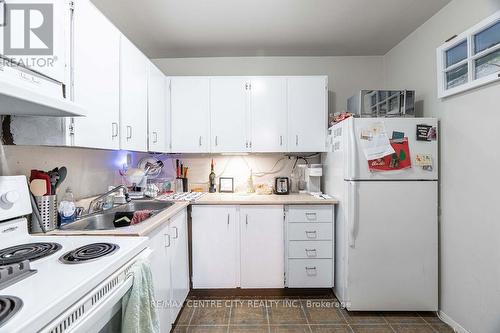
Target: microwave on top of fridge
382 103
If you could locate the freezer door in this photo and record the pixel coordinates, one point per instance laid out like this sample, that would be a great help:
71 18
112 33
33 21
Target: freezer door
357 164
392 246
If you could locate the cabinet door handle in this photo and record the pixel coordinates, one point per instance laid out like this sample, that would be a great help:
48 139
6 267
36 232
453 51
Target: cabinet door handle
246 144
176 232
281 140
297 140
129 132
311 234
114 130
311 271
228 217
155 137
216 140
246 219
313 251
167 240
199 141
311 216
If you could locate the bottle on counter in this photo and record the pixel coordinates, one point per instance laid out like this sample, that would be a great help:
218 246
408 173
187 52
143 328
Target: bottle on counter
211 178
67 208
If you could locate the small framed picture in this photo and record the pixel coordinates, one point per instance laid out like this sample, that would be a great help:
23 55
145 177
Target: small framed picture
226 185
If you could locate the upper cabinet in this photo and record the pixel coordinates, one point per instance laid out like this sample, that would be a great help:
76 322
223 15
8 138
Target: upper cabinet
190 107
133 97
158 111
307 113
268 114
100 96
229 113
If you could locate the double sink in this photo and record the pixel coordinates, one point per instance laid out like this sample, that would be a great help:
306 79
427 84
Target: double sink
104 220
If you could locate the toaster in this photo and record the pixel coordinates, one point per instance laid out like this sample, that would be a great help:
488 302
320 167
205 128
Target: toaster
281 185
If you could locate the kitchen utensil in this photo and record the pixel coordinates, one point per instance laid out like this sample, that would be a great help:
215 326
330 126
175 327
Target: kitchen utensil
54 178
38 187
37 174
47 206
63 172
281 185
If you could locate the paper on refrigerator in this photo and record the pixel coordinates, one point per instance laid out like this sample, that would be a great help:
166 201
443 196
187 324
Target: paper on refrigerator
375 142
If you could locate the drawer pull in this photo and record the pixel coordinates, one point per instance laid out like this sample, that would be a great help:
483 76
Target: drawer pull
311 216
311 234
311 271
311 253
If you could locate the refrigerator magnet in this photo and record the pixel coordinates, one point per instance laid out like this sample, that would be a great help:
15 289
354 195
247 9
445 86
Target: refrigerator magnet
423 132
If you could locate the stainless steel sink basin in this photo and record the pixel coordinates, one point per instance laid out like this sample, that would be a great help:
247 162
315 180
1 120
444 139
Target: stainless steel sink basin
104 220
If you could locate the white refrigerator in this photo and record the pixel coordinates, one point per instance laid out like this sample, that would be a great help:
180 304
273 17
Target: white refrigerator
387 221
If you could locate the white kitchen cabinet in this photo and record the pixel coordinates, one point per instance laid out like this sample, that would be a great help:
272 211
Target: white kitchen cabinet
229 114
262 247
268 114
161 243
96 78
133 97
215 247
179 261
158 132
307 113
190 108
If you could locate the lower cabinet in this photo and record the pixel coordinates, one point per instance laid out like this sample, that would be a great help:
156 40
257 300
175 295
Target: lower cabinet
215 247
310 246
170 268
238 246
262 247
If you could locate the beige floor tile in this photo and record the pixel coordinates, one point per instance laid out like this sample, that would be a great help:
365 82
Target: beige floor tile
185 316
210 316
286 313
412 328
362 317
430 317
403 318
248 315
330 329
371 329
323 312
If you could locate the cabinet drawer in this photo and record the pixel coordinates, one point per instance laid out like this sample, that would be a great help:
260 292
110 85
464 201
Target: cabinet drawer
310 231
322 214
310 273
310 249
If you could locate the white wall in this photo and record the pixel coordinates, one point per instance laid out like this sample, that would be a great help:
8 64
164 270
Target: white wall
90 171
346 75
470 160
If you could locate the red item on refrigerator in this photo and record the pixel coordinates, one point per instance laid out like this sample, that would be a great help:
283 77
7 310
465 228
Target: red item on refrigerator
399 160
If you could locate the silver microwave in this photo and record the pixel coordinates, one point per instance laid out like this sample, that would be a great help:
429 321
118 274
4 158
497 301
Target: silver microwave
382 103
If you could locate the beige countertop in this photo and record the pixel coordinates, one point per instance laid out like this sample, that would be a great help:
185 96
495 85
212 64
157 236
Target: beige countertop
146 227
258 199
141 229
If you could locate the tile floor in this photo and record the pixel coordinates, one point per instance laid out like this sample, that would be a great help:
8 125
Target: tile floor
296 315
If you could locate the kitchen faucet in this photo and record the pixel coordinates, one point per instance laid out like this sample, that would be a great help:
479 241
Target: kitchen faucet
98 203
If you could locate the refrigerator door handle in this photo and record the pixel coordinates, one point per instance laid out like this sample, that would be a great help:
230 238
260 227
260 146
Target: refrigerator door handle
353 213
353 156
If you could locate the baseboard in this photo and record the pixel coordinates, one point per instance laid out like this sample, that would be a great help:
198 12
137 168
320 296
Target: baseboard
456 326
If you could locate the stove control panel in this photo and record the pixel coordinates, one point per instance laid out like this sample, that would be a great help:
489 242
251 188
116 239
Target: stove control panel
14 197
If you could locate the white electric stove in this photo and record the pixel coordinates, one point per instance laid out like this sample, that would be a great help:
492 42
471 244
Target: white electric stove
58 283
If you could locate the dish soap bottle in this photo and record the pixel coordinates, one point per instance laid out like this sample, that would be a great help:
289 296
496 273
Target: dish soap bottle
250 187
211 178
67 208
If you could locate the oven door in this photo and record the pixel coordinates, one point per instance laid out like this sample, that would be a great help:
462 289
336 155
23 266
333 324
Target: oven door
100 310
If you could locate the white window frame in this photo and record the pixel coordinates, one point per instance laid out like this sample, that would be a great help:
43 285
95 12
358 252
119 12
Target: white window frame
468 36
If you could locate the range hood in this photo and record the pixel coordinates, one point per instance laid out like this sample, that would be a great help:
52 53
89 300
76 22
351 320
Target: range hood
24 92
19 101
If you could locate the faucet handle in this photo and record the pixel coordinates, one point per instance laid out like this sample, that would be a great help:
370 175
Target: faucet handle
79 212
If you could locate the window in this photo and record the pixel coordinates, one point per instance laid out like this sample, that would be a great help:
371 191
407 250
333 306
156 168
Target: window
471 59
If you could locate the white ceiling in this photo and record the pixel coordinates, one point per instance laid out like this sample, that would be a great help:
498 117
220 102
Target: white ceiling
206 28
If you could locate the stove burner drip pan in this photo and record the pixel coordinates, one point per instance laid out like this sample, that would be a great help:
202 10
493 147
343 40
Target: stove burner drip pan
88 253
9 306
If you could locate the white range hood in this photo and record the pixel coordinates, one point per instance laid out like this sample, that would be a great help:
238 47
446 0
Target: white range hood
19 101
28 93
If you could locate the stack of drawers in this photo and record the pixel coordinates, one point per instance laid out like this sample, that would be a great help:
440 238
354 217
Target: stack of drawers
310 255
